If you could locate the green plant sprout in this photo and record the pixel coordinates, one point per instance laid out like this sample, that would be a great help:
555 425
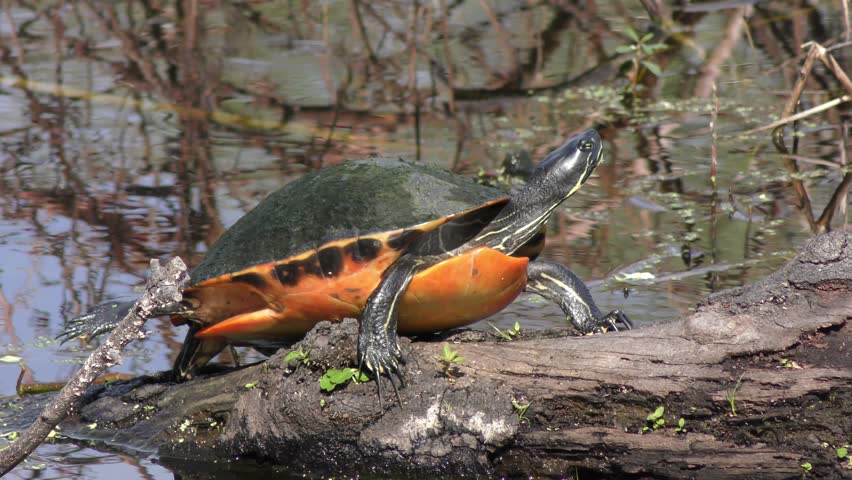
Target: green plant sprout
450 361
334 378
300 355
641 49
509 334
681 428
806 468
731 396
521 410
843 454
655 420
787 363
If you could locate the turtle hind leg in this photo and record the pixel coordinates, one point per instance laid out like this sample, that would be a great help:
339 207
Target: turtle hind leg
100 319
195 354
561 286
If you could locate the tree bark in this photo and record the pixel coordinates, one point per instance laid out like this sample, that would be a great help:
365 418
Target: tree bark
779 350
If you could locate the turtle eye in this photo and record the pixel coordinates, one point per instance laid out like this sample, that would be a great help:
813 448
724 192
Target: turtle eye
587 146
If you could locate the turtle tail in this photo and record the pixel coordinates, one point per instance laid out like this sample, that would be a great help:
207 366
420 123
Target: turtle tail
195 353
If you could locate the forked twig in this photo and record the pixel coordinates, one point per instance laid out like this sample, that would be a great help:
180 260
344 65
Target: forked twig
163 290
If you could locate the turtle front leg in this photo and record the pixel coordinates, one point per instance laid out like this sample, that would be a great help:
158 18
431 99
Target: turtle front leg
378 343
561 286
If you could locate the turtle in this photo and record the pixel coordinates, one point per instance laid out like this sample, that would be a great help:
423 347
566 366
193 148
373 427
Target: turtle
405 248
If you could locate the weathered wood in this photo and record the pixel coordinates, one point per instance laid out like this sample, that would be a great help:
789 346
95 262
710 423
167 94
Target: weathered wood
589 397
163 289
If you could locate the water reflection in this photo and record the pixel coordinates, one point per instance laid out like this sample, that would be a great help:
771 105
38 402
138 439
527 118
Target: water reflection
138 129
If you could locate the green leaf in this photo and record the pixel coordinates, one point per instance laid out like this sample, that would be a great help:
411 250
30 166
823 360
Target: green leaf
333 378
326 385
294 355
842 452
10 359
632 34
657 413
625 48
681 422
646 37
652 67
340 376
450 355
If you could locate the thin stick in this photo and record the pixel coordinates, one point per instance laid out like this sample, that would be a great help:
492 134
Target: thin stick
807 113
502 37
445 32
843 206
714 115
831 63
836 203
13 32
163 291
358 22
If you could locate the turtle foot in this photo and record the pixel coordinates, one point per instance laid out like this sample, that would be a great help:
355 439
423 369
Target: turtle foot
612 320
380 359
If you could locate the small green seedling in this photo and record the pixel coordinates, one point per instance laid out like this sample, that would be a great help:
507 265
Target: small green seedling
450 361
806 468
655 420
787 363
680 428
731 396
299 355
334 378
250 386
843 454
521 410
509 334
641 49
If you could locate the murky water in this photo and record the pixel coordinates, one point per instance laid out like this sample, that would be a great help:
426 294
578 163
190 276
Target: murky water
128 133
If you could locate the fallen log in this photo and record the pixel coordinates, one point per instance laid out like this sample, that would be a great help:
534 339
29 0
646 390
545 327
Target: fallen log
760 375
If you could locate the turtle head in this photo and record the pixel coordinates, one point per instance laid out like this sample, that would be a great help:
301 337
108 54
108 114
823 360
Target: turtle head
556 178
567 168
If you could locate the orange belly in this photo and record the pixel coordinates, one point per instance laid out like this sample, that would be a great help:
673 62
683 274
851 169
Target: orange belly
461 290
453 293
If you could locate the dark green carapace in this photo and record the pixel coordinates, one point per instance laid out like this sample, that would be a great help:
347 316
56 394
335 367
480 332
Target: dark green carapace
347 200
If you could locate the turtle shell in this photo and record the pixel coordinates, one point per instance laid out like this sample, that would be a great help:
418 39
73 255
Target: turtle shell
343 201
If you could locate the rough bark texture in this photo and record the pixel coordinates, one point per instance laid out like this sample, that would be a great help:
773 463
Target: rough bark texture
589 397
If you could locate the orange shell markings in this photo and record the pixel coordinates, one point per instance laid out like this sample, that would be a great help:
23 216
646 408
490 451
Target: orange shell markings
455 292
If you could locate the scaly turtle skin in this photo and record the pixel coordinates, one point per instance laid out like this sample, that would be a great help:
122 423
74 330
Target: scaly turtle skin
404 247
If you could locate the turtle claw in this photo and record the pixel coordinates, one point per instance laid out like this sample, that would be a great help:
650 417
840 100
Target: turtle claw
612 320
383 363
